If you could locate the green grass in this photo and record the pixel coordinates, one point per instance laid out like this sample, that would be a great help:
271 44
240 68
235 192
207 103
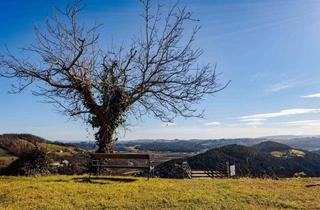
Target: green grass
71 192
5 158
59 150
4 153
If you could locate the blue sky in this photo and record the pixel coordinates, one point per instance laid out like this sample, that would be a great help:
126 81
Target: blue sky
268 49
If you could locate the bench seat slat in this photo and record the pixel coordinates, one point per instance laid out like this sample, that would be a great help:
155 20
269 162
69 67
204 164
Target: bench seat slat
120 156
120 166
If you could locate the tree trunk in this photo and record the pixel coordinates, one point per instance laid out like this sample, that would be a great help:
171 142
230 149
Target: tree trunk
104 138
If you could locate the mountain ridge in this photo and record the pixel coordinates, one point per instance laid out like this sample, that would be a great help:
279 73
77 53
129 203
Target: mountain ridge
308 143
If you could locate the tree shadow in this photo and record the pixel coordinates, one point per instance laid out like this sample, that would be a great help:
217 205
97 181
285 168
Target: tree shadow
95 180
57 180
79 180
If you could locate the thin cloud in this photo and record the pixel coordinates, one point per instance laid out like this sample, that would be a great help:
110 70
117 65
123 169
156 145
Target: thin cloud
281 86
168 124
244 119
304 123
254 123
315 95
259 118
212 124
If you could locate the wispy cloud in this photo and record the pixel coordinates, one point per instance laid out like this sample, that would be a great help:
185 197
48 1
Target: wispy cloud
245 119
259 118
304 123
168 124
212 124
281 86
315 95
254 123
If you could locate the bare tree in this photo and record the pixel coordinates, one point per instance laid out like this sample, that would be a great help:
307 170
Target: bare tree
157 74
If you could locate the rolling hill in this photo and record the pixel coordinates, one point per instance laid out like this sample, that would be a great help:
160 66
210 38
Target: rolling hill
317 152
17 144
252 158
12 146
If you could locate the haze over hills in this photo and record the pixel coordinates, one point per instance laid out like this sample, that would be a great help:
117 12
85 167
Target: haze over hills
309 143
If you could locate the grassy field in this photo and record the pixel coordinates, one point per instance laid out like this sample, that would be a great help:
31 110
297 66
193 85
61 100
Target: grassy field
71 192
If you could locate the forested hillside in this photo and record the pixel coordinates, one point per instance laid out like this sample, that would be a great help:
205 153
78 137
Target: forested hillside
267 159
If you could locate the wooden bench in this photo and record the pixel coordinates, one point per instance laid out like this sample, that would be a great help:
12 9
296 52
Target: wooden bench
96 161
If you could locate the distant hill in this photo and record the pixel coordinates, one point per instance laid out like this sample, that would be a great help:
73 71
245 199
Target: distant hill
271 146
266 159
197 145
162 145
91 146
316 151
309 143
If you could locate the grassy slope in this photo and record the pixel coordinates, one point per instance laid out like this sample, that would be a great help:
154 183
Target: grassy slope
65 150
15 143
4 153
67 192
5 157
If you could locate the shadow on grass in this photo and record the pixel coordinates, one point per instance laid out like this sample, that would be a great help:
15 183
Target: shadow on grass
78 180
93 180
98 180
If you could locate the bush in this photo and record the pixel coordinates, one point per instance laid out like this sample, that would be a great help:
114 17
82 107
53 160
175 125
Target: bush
34 162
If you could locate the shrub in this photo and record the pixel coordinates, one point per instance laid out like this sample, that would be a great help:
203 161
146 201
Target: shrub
34 162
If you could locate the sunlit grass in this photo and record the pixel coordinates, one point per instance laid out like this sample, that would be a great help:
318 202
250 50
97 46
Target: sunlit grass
293 152
297 153
8 158
59 150
278 154
72 192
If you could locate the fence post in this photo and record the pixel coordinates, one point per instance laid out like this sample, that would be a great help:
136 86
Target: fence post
228 168
186 169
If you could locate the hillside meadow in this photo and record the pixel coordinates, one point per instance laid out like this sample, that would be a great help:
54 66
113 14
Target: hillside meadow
73 192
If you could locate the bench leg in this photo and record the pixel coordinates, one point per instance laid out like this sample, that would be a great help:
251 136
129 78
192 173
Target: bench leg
89 178
150 170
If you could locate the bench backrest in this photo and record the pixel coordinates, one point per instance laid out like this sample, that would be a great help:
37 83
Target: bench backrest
120 156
